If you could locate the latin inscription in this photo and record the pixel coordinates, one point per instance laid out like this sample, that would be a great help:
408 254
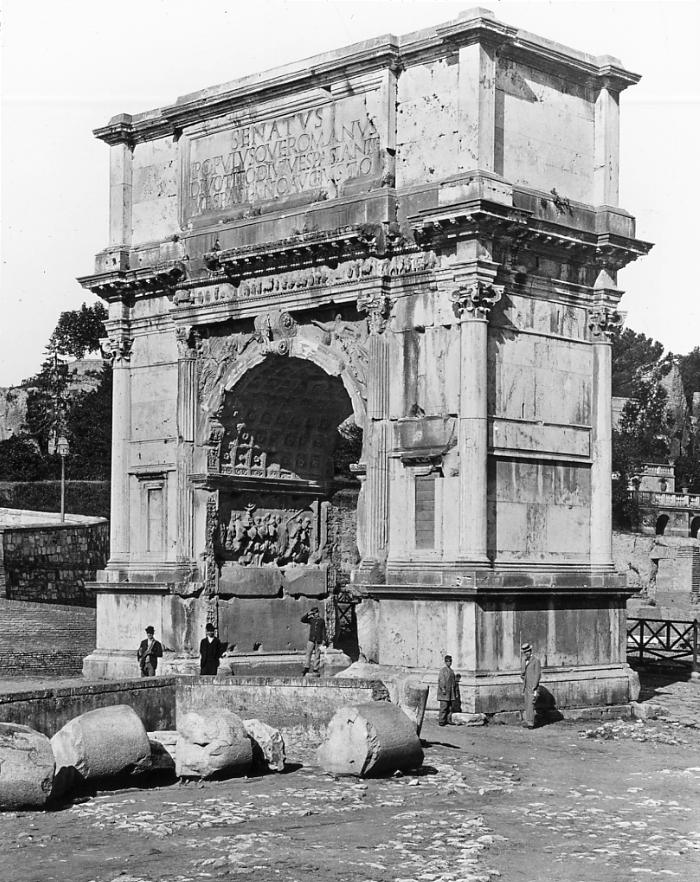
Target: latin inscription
313 150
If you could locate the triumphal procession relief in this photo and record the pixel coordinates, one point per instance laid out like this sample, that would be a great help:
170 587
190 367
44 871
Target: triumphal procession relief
359 317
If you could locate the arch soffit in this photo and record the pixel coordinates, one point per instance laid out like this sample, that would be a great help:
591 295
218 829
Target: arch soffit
303 348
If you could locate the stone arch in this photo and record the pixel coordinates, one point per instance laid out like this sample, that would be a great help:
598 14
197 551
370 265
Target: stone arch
695 527
661 524
301 347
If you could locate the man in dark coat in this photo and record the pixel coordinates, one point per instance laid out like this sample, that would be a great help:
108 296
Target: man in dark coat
530 671
317 638
210 651
148 653
446 692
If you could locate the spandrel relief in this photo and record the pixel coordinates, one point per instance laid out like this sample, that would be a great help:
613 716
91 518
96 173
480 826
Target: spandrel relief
265 536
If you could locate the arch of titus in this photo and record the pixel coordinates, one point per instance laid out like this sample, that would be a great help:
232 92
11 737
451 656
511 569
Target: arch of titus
359 316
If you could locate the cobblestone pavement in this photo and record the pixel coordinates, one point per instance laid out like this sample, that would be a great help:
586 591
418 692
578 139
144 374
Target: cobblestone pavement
572 802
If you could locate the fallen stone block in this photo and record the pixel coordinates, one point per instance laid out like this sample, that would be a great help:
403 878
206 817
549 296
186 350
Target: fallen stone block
460 719
212 742
26 767
101 743
402 688
369 740
647 710
268 745
412 698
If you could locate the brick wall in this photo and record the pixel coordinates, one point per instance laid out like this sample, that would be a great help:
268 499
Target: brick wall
44 639
50 563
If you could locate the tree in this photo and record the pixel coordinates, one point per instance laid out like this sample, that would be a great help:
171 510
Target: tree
689 366
633 354
643 435
20 460
79 330
57 405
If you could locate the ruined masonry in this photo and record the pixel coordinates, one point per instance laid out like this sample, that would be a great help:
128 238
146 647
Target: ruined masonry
359 317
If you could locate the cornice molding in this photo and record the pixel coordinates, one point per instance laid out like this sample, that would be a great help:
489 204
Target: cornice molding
126 284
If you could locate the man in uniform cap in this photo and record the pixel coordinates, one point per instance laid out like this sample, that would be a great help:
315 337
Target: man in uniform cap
148 653
446 692
317 636
530 671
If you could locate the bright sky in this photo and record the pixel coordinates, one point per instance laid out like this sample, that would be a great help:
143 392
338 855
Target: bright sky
68 66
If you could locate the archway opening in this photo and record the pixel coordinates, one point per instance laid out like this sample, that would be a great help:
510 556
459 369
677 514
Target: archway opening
661 524
288 419
694 527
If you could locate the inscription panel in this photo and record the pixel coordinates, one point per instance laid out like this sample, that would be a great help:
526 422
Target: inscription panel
309 155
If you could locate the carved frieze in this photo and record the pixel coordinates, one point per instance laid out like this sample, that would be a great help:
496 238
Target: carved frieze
269 537
348 272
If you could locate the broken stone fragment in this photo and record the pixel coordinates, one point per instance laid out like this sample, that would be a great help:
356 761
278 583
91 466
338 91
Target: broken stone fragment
268 745
468 719
101 743
26 767
162 758
212 742
370 739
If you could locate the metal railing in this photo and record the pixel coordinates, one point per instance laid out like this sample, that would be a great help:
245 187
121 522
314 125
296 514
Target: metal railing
664 639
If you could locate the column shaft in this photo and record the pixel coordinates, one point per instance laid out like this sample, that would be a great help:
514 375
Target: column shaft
377 483
473 440
601 452
121 435
186 414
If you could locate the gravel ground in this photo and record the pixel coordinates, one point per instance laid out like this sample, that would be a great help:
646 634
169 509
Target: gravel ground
572 802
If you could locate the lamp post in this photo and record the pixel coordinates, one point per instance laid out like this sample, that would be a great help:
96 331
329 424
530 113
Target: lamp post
62 450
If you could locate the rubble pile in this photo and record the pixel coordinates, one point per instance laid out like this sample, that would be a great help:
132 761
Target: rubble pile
636 731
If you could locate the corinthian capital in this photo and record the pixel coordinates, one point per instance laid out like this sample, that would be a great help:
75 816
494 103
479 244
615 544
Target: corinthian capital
476 300
378 309
603 321
186 339
116 349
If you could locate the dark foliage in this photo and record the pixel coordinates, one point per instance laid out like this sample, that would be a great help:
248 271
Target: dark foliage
82 497
79 331
20 460
634 354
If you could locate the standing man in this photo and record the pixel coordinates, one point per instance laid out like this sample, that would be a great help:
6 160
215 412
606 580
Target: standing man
317 637
446 692
530 671
210 651
148 653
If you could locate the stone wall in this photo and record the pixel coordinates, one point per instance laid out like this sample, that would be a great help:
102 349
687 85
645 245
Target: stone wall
41 639
47 710
296 706
49 562
679 561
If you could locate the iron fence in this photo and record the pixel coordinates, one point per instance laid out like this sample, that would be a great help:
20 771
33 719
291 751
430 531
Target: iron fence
665 639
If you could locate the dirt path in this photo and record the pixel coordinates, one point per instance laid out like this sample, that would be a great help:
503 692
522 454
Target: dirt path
492 803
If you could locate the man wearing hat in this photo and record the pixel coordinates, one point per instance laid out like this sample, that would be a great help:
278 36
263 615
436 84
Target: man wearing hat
210 651
317 637
149 651
530 671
